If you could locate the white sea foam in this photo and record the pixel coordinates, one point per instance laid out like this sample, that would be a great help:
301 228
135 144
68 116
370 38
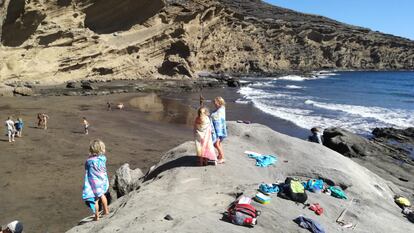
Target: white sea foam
294 87
242 101
298 78
391 117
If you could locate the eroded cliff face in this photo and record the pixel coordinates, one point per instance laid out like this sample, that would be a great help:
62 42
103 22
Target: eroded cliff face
56 41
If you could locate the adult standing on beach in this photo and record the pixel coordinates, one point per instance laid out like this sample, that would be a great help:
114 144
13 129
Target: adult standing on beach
96 182
218 118
13 227
203 138
10 129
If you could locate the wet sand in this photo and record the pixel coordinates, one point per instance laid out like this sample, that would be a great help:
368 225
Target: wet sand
41 174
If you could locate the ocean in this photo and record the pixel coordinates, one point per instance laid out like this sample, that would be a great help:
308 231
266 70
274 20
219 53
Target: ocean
356 101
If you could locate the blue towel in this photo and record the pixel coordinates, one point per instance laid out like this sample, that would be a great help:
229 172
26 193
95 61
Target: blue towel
263 160
309 224
269 188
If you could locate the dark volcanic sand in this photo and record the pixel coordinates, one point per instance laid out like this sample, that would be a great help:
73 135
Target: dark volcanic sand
41 174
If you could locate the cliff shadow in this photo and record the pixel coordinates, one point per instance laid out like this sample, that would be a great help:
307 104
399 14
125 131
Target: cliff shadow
185 161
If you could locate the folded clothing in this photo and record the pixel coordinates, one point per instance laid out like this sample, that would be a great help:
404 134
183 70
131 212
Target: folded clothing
261 198
269 188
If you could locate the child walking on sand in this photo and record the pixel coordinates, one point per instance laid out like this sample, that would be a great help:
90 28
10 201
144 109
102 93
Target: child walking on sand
86 126
10 129
96 182
203 138
19 127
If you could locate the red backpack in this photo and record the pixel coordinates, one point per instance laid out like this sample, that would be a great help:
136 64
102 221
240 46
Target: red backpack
242 214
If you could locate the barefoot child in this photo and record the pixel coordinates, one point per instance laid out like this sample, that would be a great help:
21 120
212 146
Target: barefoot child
203 137
218 118
86 126
11 130
96 179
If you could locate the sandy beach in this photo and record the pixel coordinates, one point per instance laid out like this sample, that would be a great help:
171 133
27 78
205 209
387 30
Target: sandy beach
41 174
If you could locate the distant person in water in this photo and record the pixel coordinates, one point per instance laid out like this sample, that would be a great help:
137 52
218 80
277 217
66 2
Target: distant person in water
45 118
96 182
108 106
13 227
19 127
204 138
316 136
85 126
11 130
218 118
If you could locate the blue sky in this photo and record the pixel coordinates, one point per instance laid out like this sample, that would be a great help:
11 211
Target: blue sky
389 16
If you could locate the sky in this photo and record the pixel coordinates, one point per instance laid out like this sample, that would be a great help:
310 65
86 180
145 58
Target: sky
389 16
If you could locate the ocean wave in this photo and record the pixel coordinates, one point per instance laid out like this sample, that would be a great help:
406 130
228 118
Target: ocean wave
293 87
298 78
242 101
391 117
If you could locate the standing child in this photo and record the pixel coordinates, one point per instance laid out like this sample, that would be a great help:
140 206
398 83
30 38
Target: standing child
44 120
218 117
96 179
19 127
203 137
86 126
10 129
39 120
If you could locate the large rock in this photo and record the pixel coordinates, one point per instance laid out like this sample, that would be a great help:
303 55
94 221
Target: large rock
180 37
349 144
196 196
24 91
126 180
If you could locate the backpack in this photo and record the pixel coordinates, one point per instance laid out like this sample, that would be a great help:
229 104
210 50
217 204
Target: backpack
242 214
293 190
410 217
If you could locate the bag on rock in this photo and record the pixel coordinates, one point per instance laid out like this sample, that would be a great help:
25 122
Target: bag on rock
293 190
337 192
410 217
402 202
242 214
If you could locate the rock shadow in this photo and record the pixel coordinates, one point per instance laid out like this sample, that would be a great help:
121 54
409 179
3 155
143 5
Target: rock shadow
185 161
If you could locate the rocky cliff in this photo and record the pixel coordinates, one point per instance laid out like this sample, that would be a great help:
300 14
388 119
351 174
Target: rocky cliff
51 42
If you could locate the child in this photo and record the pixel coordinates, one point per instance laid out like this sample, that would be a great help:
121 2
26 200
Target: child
203 137
316 136
10 129
86 126
19 127
44 120
218 118
96 179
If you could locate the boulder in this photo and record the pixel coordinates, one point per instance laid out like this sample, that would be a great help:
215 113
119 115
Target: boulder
349 144
71 84
25 91
6 91
88 86
126 180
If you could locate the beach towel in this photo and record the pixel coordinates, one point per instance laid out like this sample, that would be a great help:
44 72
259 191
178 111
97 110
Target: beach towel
262 160
218 118
269 188
203 139
96 178
337 192
309 224
313 185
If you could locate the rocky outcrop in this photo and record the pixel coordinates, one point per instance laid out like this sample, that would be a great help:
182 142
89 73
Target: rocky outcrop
390 153
195 198
126 180
56 41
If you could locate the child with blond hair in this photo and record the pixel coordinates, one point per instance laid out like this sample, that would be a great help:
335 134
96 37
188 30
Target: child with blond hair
96 182
218 118
203 137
